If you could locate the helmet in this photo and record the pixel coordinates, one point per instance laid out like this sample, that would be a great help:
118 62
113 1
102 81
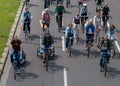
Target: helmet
47 9
84 4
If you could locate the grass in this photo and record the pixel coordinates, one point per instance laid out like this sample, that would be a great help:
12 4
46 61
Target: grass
8 10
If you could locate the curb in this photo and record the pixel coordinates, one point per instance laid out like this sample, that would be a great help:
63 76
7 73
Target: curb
12 33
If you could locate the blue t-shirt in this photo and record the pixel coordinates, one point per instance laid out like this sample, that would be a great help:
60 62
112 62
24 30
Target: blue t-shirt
90 29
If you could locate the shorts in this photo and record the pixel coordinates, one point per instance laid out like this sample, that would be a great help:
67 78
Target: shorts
45 48
77 26
89 36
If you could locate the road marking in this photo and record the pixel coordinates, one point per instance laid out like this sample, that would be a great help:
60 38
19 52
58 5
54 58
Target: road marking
63 43
65 77
115 41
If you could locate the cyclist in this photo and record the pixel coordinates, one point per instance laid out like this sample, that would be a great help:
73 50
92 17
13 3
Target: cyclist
27 18
47 43
89 32
77 23
46 17
98 4
69 32
46 3
80 2
59 12
112 32
16 47
84 13
105 14
97 21
104 47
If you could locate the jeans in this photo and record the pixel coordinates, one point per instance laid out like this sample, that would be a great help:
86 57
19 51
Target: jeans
102 58
28 25
13 58
67 42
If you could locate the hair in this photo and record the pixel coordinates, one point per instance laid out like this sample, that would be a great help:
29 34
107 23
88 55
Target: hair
112 26
70 24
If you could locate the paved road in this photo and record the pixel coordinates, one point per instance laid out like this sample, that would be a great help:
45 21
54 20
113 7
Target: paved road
79 70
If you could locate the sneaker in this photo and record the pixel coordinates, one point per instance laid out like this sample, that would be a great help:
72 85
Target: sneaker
101 69
18 71
43 62
86 48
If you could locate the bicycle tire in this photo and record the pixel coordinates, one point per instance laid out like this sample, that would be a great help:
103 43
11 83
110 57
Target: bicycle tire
88 52
105 66
70 52
15 71
46 61
66 3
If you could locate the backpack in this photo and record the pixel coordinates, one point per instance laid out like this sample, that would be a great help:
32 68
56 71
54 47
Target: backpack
76 20
27 17
70 34
84 11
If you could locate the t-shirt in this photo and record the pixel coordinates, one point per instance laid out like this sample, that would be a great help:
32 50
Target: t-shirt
90 29
104 46
77 20
16 44
105 10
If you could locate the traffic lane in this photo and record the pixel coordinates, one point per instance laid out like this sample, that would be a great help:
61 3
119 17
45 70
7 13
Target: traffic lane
35 73
84 71
114 12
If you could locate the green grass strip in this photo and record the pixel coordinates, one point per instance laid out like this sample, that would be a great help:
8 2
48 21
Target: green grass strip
8 10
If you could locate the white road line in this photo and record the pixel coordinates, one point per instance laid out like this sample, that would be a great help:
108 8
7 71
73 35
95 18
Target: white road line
118 47
65 76
63 43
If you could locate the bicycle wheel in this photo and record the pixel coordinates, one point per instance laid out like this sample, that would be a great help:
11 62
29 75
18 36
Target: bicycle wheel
88 50
66 3
105 66
15 71
46 61
70 51
113 51
58 24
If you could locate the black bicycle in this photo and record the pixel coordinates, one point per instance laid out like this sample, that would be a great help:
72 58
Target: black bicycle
26 30
69 46
84 18
89 45
80 4
67 3
105 62
112 48
59 22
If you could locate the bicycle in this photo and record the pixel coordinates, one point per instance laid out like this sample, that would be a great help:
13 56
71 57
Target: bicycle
89 46
105 62
15 62
112 48
84 18
69 46
26 30
80 5
67 3
59 22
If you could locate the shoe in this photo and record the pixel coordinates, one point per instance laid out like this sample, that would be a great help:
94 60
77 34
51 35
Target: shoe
18 71
86 48
101 69
43 62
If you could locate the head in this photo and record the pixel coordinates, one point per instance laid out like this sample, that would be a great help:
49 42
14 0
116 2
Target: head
77 14
105 37
47 35
84 5
90 21
26 9
15 37
60 4
106 5
112 26
70 25
99 13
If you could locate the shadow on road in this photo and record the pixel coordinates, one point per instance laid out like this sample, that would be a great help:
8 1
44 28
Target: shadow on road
33 5
33 37
112 73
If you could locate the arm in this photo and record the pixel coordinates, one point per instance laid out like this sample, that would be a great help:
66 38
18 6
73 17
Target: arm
66 32
94 21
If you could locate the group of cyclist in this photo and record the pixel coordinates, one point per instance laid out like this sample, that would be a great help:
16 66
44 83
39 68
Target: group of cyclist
91 28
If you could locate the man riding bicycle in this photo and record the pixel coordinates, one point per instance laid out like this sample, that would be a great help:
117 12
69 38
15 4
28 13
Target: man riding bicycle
77 23
47 43
105 14
16 48
59 12
89 33
69 32
27 18
104 46
46 17
97 21
83 14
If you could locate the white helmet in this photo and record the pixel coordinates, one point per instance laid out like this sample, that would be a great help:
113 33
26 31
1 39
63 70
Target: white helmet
84 4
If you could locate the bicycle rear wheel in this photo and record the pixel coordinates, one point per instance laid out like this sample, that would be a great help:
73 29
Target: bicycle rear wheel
15 71
46 61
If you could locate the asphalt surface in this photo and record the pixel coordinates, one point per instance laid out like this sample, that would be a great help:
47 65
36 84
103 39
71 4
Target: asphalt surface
81 71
